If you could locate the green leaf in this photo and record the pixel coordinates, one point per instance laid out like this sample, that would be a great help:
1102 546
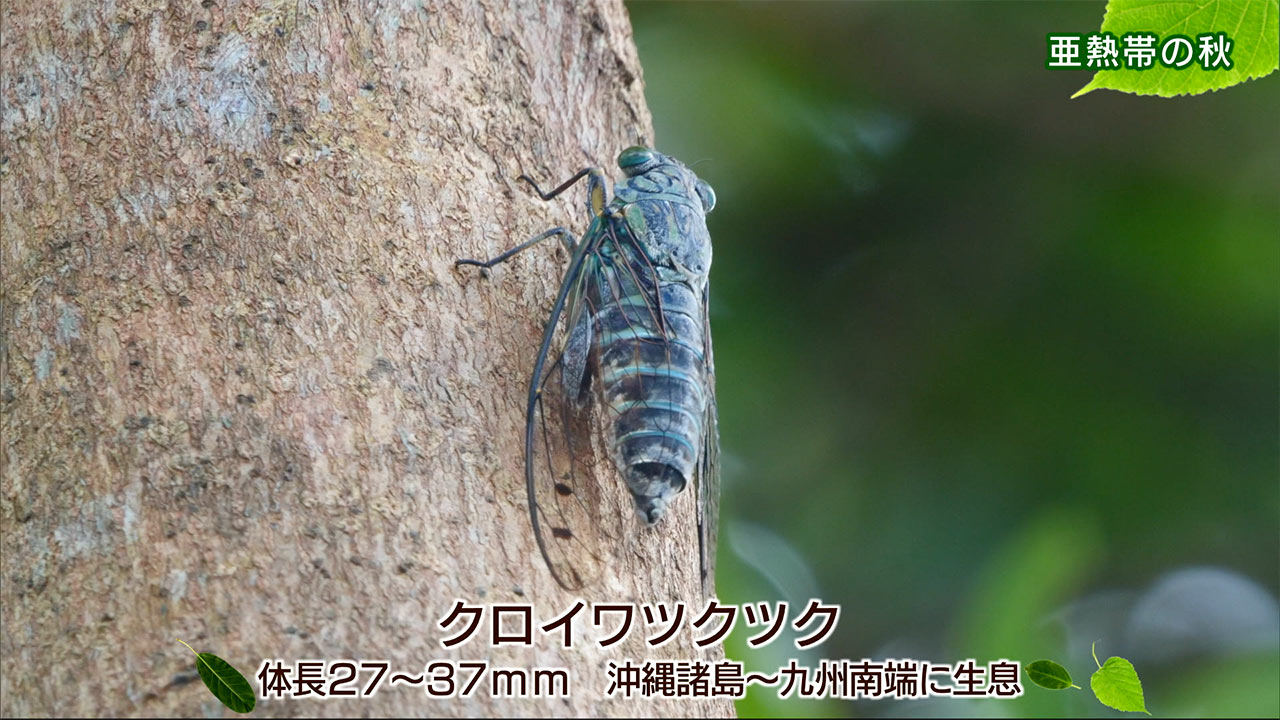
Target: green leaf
1252 26
225 682
1050 675
1116 685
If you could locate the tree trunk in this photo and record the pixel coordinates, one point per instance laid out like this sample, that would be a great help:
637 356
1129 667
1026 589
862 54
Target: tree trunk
248 400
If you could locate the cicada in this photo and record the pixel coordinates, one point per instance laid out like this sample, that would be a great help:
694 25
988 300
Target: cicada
630 320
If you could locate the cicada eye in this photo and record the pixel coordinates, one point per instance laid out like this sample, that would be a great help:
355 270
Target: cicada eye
635 160
707 195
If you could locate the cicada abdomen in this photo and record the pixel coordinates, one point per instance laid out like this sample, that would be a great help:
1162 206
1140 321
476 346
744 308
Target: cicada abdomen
653 375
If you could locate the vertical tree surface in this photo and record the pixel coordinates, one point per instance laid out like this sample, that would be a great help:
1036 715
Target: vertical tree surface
248 400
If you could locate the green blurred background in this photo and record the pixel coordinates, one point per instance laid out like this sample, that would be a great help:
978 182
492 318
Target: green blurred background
997 370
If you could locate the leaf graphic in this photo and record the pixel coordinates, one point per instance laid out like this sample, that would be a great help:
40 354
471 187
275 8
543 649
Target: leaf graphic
1115 683
225 682
1050 675
1251 25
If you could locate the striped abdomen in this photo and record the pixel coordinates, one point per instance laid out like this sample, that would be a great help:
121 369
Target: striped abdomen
653 378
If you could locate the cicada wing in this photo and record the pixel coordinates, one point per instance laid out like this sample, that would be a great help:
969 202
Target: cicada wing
566 503
563 499
708 481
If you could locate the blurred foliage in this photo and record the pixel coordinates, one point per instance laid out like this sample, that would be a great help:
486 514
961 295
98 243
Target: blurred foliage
991 362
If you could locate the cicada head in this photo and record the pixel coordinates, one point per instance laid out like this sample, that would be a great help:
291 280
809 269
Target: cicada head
638 160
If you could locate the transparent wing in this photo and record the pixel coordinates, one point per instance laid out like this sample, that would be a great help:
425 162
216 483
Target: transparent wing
708 480
566 504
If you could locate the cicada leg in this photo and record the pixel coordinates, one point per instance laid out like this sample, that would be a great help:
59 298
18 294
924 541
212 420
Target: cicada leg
596 196
566 237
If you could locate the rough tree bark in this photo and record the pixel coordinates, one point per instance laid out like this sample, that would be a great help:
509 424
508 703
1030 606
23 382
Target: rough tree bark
248 401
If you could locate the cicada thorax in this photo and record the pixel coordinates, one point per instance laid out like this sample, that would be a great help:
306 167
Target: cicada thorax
667 221
650 349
